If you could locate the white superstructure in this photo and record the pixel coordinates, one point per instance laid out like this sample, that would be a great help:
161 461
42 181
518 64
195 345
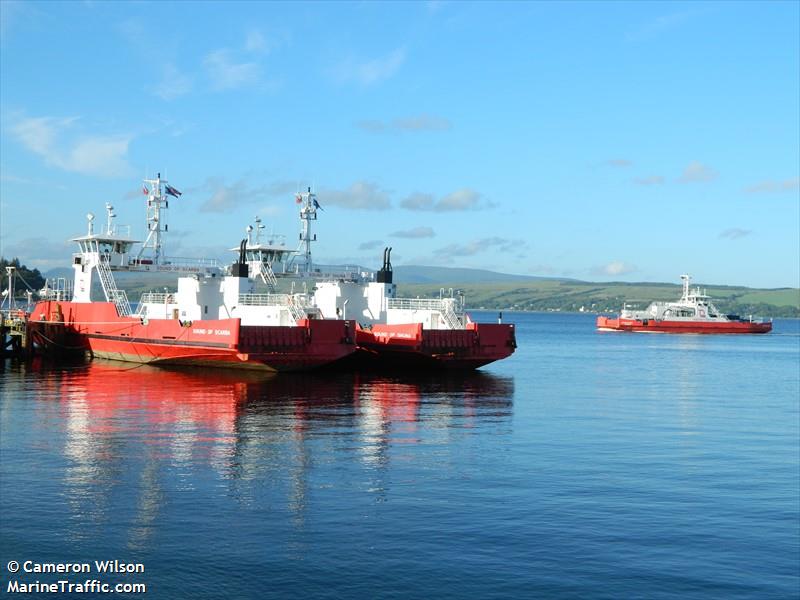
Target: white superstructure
376 302
693 305
204 292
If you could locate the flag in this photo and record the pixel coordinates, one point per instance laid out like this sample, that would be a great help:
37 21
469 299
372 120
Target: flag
145 191
298 199
316 205
171 190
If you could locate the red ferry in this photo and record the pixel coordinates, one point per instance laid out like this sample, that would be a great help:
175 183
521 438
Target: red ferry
692 313
213 319
412 332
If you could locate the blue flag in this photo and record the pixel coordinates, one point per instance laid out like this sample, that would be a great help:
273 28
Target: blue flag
171 190
316 205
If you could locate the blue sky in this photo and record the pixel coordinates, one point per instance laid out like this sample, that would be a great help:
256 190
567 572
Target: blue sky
601 141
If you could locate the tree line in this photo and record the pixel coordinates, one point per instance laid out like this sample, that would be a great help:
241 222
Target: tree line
23 275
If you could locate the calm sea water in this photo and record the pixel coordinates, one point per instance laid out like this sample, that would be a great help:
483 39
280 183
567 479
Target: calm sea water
593 465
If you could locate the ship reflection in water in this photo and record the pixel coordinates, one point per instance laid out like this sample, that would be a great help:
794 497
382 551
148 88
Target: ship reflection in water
140 441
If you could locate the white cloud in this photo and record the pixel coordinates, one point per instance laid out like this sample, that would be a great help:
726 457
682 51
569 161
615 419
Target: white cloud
418 201
772 187
697 172
659 25
360 195
370 245
255 41
369 72
227 74
614 269
618 162
464 199
222 197
271 210
649 180
734 233
87 154
460 200
173 83
415 233
447 253
416 123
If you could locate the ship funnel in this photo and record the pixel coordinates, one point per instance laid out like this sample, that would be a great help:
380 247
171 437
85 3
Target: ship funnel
239 268
385 273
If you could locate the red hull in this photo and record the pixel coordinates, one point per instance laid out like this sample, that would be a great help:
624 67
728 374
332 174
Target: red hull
609 323
96 327
412 346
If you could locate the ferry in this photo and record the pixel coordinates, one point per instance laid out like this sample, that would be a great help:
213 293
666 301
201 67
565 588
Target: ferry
214 318
692 313
419 333
391 332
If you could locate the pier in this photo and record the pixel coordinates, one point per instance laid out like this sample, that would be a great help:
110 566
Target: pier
14 335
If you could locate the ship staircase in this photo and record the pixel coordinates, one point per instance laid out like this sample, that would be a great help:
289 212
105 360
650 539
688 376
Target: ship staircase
268 276
113 294
450 317
295 309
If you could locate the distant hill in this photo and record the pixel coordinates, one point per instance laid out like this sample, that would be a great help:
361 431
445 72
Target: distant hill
570 296
492 290
442 275
59 272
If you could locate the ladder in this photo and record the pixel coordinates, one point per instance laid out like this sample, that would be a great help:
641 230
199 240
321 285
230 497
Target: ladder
449 315
267 276
296 311
113 294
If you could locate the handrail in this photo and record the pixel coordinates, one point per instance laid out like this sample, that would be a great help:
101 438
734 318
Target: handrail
113 294
446 307
294 304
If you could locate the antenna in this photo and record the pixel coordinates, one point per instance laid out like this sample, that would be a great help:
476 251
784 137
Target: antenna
156 222
308 213
259 228
109 219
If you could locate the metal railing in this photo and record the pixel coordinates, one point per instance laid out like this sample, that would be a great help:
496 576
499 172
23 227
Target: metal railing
415 303
264 299
446 307
295 305
57 288
174 265
157 298
113 294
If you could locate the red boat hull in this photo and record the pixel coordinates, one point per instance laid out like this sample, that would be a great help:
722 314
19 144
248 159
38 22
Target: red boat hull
410 345
97 328
654 326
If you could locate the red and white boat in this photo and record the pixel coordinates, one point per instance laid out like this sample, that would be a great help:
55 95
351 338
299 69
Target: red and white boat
693 313
391 332
213 319
417 333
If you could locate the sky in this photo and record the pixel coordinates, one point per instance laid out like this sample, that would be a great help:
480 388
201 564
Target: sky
599 141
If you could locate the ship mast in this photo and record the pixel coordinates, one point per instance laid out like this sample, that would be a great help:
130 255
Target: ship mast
156 224
308 212
686 280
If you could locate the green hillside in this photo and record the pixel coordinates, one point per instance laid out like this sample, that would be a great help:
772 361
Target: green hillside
608 297
547 294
